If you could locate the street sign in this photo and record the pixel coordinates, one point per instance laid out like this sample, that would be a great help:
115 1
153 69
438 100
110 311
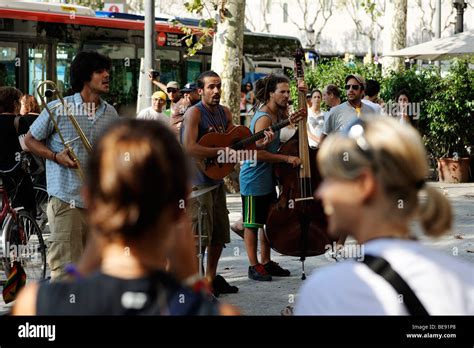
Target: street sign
161 39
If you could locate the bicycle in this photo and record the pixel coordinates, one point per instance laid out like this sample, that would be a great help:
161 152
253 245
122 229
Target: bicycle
21 239
35 167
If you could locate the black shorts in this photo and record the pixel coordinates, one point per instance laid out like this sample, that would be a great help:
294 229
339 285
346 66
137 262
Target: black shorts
256 209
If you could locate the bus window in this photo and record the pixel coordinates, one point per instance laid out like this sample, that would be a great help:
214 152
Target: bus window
170 67
123 77
64 55
193 67
9 62
37 65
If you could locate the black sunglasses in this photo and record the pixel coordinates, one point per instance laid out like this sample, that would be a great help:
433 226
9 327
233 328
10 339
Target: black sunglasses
354 87
171 90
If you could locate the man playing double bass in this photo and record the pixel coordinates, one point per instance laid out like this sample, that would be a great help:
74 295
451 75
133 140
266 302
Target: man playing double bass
257 182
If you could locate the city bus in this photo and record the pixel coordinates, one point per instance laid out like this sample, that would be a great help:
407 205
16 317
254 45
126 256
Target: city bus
39 40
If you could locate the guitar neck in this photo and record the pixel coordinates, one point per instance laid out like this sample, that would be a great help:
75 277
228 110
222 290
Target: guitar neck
259 135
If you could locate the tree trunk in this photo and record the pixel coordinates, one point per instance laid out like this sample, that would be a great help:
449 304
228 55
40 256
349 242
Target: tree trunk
227 53
396 38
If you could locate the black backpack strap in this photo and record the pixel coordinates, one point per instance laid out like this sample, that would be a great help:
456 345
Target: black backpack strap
380 266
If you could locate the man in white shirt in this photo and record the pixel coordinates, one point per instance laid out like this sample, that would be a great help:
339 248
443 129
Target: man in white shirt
155 111
372 96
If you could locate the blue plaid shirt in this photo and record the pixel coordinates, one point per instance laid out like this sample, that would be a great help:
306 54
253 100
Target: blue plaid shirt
65 183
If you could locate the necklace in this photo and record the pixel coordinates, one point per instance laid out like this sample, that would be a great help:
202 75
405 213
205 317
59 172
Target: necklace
217 124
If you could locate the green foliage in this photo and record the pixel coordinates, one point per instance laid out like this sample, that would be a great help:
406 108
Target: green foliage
446 104
450 112
334 71
420 84
370 7
197 39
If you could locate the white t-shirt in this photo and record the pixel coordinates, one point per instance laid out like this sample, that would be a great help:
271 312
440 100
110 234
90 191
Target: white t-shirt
444 284
378 109
315 126
150 114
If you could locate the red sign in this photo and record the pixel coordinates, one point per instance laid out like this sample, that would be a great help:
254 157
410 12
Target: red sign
161 39
114 7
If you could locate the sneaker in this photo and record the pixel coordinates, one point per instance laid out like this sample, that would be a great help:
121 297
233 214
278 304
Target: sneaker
258 272
275 270
220 286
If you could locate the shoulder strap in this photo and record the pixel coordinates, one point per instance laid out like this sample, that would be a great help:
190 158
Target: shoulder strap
16 123
380 266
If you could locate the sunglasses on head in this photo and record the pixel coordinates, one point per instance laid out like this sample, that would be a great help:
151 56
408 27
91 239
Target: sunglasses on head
171 90
356 131
354 87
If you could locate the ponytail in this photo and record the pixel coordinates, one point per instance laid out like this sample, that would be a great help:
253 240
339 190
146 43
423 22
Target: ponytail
435 213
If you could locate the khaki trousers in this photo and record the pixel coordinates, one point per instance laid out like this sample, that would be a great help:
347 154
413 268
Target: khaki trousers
68 236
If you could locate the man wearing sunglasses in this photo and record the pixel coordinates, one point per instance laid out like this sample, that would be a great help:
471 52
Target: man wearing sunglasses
171 89
345 113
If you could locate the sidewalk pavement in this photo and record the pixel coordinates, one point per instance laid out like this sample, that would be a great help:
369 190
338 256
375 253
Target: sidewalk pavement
270 298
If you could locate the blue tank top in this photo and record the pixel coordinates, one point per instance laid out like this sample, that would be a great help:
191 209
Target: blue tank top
210 122
257 179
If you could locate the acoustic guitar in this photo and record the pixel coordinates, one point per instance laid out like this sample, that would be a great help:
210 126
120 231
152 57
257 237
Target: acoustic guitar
238 138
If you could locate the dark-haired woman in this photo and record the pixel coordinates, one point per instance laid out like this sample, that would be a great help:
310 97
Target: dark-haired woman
17 183
404 110
136 191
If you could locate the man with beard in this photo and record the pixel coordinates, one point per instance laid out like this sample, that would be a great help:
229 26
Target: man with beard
211 207
190 97
343 114
66 207
257 182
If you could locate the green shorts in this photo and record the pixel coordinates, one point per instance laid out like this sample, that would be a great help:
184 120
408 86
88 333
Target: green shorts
256 209
215 227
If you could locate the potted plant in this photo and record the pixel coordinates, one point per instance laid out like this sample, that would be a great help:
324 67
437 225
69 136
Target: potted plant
449 131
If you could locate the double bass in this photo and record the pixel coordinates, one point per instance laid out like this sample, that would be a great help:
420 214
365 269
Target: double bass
296 222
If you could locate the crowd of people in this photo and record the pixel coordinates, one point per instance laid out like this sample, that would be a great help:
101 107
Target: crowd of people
128 232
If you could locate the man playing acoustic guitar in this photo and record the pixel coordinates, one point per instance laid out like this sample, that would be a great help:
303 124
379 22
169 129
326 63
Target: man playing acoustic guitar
205 117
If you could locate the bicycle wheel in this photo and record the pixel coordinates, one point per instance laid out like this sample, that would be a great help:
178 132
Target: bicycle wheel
25 244
41 199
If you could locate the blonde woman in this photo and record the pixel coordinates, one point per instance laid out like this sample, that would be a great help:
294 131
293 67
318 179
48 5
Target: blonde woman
373 187
136 189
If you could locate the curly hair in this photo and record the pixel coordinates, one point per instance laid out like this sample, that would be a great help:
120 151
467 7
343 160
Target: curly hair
10 100
84 65
209 73
267 85
31 104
